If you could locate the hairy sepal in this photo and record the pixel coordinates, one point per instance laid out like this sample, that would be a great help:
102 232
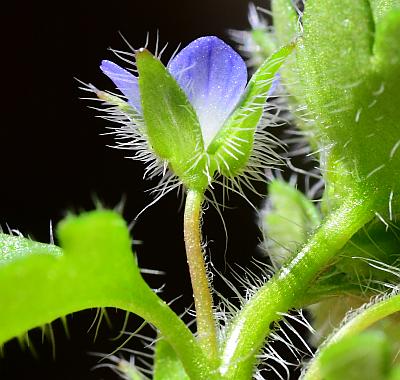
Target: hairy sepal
351 82
123 106
172 127
238 131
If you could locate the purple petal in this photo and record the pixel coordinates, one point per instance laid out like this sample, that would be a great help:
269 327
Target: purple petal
126 82
213 77
274 85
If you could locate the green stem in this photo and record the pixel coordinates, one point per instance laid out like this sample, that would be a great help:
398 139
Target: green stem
356 325
206 326
177 334
251 326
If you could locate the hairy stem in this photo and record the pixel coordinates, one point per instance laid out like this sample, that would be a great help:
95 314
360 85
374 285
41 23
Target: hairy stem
360 322
251 326
178 335
206 327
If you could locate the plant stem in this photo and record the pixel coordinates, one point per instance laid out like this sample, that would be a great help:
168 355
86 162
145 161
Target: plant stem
206 327
251 326
177 334
360 322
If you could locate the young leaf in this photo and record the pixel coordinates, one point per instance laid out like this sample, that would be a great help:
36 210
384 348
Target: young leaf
354 325
287 221
364 356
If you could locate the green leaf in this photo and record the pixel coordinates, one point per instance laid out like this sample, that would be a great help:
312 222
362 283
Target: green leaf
380 310
13 248
287 222
381 7
240 128
375 246
364 356
172 127
40 282
351 84
394 373
167 365
96 268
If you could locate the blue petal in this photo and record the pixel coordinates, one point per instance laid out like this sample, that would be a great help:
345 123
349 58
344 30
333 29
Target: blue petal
213 77
274 85
126 82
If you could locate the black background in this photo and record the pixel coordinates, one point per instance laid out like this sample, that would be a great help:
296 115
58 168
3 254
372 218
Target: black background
54 159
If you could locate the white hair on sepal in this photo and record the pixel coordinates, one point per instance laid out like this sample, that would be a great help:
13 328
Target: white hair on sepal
264 155
129 134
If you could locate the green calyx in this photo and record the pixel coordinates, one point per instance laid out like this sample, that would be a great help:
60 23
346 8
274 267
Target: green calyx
172 129
239 130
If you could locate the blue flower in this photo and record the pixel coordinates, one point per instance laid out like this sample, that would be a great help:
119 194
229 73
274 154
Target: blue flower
212 75
199 117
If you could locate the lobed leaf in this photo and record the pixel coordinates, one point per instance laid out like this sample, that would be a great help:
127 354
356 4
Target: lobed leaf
95 268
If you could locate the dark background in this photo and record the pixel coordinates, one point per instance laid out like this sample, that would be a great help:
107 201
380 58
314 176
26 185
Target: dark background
54 159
